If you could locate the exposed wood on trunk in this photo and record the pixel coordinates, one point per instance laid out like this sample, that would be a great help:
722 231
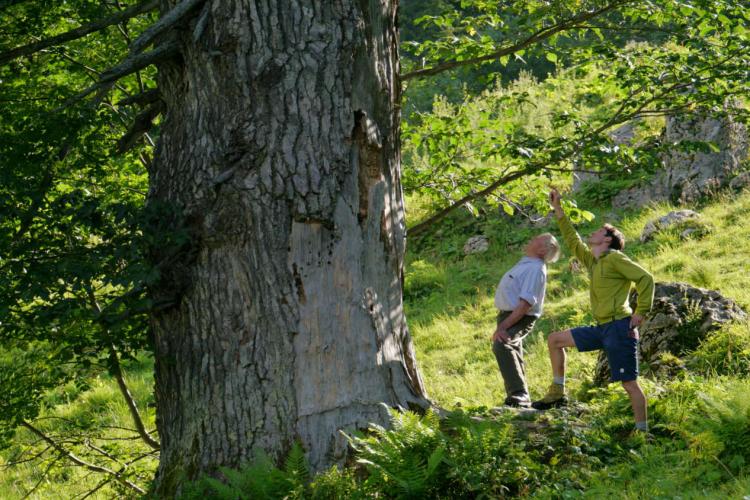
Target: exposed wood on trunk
290 325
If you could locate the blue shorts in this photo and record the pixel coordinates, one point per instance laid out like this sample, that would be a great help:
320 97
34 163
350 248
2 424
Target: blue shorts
618 341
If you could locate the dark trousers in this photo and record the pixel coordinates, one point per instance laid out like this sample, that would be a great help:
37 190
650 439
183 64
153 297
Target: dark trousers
510 355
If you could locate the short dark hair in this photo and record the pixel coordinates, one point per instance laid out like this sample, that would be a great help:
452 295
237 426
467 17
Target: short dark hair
618 240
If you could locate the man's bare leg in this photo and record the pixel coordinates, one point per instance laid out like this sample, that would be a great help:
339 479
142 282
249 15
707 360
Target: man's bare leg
638 402
557 342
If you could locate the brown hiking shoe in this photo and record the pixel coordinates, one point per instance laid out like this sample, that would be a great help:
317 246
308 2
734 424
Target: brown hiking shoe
555 397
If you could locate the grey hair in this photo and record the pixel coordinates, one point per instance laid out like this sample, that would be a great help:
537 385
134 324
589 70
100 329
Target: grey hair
553 248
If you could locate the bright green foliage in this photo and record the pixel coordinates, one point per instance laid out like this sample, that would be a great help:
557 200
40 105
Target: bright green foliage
727 419
89 417
73 229
404 461
77 245
75 239
679 60
724 352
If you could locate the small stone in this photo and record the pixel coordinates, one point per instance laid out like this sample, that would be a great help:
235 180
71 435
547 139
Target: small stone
476 244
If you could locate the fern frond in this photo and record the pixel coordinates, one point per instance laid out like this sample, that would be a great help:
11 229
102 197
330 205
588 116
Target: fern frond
295 465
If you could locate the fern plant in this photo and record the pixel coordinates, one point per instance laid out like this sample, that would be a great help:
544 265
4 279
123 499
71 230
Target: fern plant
724 352
404 461
259 480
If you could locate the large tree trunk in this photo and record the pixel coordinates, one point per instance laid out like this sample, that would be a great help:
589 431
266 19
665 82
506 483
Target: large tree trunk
281 143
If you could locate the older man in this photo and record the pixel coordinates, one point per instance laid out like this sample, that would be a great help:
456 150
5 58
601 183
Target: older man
519 299
611 275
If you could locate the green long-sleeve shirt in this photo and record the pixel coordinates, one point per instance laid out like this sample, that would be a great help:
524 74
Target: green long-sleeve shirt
610 278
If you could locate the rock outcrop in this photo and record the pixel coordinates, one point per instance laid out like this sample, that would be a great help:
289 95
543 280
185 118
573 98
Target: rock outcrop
687 176
681 317
665 221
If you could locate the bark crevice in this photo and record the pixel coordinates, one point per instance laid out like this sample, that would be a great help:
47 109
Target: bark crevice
284 147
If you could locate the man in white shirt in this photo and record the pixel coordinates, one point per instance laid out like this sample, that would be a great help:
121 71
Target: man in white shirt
519 299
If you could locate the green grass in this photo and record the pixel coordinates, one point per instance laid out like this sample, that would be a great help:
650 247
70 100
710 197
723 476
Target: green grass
452 326
449 304
98 412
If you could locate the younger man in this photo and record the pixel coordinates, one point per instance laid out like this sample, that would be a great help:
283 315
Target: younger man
611 274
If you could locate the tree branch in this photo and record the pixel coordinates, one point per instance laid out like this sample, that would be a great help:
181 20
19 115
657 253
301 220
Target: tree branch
42 478
535 38
97 488
142 124
79 32
133 63
130 65
144 98
117 476
420 228
167 21
114 365
134 413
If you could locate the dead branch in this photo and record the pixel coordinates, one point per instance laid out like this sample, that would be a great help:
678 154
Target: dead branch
117 476
167 21
79 32
142 124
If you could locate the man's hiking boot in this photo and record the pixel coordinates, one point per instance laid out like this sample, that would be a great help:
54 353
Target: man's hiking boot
518 400
555 397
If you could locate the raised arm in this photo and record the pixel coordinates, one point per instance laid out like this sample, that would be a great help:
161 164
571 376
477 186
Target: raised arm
570 236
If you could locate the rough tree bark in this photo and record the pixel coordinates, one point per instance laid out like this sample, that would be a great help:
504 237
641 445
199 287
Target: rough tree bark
281 143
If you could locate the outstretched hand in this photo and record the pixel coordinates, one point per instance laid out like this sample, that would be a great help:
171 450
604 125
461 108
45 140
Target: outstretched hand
555 199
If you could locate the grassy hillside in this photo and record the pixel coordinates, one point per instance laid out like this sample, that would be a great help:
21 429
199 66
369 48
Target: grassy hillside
451 314
701 422
450 297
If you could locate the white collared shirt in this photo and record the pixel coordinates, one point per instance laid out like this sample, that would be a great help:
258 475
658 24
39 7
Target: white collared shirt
526 280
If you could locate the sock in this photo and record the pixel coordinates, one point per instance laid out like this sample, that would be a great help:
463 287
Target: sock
559 380
642 426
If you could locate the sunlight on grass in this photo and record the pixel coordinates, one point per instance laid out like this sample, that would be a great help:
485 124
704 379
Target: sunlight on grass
453 324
